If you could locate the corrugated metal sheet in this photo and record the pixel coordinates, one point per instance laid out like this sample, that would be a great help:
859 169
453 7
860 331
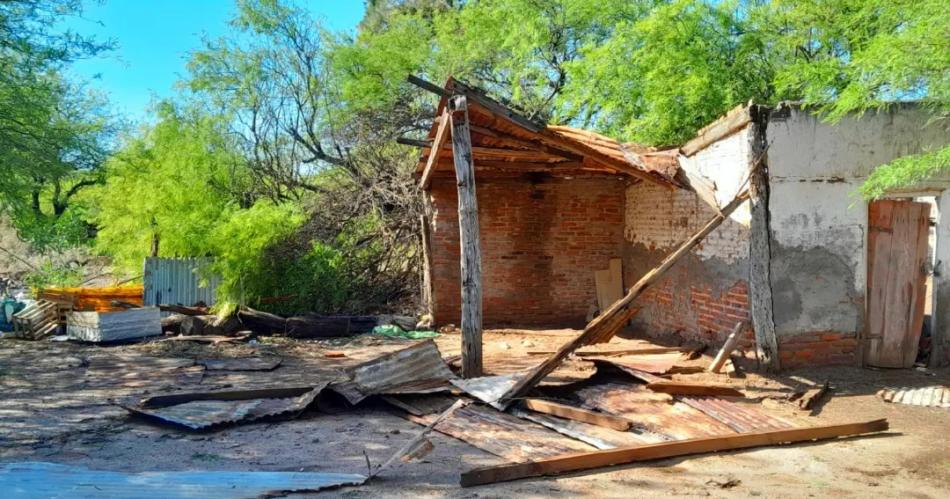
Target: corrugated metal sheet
928 396
655 413
597 436
504 435
739 417
179 281
206 410
114 326
43 480
417 369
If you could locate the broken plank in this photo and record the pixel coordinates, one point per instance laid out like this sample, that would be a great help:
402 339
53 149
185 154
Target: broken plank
578 414
679 388
812 397
612 457
731 342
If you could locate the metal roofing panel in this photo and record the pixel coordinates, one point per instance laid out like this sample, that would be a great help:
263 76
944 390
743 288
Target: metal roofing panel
504 435
416 369
657 413
739 417
178 281
205 410
45 480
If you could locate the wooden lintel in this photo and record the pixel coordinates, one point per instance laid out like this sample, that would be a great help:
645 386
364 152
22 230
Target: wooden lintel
471 261
440 136
650 452
578 414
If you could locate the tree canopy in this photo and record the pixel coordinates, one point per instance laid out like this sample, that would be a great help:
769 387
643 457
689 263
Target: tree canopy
279 158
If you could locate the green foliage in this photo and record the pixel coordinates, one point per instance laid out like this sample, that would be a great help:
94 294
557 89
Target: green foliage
52 131
659 78
905 172
175 183
238 244
50 274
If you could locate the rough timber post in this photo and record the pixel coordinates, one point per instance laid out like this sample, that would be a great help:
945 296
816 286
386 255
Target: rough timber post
760 249
468 238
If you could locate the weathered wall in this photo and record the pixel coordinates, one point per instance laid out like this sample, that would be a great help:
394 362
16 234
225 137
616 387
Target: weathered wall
940 322
819 225
703 296
542 238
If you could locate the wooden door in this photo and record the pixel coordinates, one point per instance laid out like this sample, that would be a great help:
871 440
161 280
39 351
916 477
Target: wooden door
897 255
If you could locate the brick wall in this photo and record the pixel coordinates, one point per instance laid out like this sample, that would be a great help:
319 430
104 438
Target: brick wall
542 238
703 296
817 348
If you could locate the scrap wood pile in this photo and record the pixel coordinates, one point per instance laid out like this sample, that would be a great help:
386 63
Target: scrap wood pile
629 411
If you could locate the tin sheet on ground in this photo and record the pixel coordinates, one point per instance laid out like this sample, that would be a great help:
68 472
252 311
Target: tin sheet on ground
741 417
201 411
42 480
242 364
657 413
504 435
416 369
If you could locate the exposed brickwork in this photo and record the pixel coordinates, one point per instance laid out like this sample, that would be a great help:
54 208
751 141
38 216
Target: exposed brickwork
542 239
660 218
817 349
695 313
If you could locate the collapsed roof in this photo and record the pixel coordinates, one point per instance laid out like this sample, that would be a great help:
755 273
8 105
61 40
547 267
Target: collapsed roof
504 140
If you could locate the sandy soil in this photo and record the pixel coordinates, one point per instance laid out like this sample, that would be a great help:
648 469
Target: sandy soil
55 408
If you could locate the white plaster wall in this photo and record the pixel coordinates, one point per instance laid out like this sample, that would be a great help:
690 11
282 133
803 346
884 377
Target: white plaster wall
660 218
815 169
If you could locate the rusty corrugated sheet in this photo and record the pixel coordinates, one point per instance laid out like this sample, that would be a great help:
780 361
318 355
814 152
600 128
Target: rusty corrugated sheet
178 281
656 413
93 299
597 436
36 479
739 417
416 369
504 435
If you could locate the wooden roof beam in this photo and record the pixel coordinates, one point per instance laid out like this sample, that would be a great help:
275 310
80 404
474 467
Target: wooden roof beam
440 139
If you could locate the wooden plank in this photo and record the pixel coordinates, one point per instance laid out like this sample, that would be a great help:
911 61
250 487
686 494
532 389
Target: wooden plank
578 414
602 285
440 137
471 260
613 457
812 397
733 121
680 388
731 342
604 326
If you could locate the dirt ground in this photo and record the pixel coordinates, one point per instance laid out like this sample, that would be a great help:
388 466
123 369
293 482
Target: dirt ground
55 407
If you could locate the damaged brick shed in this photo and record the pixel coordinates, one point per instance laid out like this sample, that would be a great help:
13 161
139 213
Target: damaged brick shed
555 204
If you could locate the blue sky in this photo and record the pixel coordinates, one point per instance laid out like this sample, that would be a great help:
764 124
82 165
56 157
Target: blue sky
154 38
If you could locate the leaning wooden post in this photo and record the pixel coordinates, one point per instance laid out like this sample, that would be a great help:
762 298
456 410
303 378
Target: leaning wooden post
468 239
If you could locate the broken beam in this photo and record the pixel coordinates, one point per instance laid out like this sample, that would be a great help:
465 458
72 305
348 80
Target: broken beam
440 137
612 457
578 414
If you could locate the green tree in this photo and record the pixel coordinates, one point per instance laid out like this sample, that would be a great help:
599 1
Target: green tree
52 131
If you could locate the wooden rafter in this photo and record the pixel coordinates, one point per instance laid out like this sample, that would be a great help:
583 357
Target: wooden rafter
440 137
